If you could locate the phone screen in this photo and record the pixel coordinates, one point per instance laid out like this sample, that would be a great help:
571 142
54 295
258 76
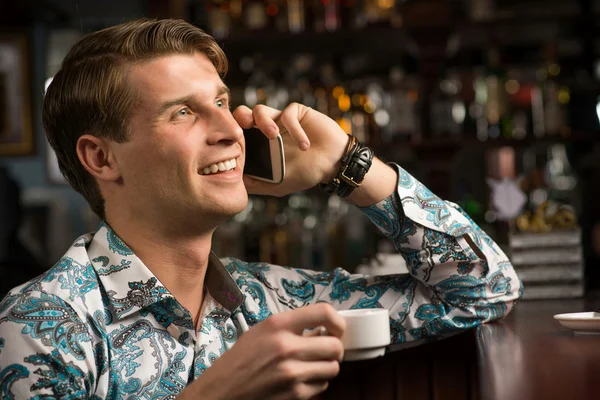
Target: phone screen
258 154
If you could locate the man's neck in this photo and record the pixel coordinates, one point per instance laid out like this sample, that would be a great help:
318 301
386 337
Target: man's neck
179 263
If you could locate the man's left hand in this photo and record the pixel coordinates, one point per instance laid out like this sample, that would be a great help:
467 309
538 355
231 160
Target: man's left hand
313 144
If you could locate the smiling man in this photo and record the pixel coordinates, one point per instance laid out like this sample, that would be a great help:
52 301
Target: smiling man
140 119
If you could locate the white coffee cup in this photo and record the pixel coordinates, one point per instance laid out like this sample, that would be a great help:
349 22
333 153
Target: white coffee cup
367 333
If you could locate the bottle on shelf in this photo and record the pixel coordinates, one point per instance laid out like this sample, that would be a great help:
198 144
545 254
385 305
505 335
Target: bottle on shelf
255 15
497 113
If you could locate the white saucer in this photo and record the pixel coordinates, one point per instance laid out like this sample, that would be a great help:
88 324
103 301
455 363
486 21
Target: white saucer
363 354
583 323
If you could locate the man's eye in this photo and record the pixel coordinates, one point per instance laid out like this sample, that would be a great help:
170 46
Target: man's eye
183 112
222 103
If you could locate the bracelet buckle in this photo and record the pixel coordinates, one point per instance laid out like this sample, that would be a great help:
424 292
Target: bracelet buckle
349 179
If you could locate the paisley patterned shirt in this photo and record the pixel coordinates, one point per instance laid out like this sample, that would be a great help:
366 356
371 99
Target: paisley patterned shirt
100 325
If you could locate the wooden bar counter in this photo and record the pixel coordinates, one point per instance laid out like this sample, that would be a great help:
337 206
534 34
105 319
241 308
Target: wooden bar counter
528 355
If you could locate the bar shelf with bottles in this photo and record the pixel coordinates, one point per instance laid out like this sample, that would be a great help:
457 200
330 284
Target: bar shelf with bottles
492 104
399 84
386 91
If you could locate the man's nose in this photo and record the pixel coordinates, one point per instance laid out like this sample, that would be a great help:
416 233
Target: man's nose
224 128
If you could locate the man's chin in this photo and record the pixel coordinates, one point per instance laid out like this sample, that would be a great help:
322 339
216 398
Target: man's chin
229 209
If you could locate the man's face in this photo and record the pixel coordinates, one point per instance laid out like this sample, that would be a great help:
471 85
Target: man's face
181 128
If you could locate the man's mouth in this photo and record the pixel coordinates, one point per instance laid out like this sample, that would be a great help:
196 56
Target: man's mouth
227 165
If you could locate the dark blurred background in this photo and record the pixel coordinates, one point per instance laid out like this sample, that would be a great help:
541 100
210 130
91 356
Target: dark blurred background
493 104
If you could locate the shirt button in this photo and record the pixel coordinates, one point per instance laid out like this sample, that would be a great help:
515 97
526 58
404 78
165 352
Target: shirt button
179 312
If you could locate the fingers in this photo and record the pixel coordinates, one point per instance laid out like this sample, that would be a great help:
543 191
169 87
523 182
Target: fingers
314 348
318 331
312 316
291 118
264 118
312 371
243 116
272 121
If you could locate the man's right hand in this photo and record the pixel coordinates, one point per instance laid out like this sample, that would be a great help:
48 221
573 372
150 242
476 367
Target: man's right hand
274 360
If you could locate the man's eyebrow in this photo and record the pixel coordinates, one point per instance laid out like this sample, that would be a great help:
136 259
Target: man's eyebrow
224 90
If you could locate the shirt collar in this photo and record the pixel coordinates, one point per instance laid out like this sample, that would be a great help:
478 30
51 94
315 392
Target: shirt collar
130 286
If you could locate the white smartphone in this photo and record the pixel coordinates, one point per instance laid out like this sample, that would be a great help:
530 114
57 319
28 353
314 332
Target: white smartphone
265 160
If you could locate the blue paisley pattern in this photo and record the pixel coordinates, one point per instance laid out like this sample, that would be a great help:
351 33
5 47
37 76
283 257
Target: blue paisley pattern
100 325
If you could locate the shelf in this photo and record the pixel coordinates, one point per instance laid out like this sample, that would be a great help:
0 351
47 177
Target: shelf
382 39
469 141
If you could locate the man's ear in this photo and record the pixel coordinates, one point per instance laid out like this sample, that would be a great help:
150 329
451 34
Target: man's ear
97 158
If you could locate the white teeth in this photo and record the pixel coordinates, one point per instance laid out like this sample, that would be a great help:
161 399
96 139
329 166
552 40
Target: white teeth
220 166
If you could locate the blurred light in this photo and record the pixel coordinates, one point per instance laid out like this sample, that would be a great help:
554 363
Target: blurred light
475 111
459 112
282 96
598 109
370 107
520 123
482 129
337 92
261 95
356 99
272 10
247 64
364 99
250 96
386 4
512 86
345 124
450 87
563 95
344 102
310 222
493 114
480 91
554 69
382 118
413 96
358 119
490 216
538 196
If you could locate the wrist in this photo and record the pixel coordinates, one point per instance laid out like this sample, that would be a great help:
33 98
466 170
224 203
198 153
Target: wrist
379 183
337 156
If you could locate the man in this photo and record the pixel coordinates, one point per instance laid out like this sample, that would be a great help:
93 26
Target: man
139 118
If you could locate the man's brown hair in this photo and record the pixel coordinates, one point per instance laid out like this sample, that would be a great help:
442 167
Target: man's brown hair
90 92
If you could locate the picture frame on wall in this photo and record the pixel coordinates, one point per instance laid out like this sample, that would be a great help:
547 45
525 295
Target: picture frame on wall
16 132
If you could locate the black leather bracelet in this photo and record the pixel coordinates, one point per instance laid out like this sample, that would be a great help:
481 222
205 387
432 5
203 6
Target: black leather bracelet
354 165
355 171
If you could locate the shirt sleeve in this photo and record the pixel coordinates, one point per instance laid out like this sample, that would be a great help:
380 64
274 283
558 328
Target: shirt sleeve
458 277
46 350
